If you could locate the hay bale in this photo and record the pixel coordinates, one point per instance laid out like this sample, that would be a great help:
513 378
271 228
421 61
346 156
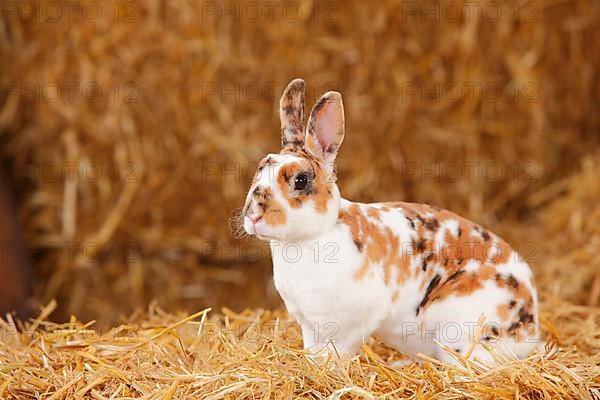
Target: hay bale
570 267
169 98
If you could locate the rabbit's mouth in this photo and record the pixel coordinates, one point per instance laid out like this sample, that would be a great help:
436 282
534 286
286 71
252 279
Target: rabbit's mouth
260 228
255 226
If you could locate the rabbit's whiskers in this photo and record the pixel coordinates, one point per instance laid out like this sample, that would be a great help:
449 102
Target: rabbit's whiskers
236 224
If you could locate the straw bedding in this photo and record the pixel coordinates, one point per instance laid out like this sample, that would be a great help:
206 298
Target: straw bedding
167 144
256 354
161 163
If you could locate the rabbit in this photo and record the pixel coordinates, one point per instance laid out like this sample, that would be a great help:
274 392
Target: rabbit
415 276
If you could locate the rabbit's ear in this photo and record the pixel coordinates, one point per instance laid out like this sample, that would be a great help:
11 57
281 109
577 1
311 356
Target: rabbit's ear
325 129
291 113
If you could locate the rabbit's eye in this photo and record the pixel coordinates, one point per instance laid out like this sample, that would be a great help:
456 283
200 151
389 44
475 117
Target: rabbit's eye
301 181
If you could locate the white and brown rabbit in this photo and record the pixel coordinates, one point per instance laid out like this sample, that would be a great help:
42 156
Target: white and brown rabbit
411 274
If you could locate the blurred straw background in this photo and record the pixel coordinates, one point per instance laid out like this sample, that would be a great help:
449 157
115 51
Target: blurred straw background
131 135
130 131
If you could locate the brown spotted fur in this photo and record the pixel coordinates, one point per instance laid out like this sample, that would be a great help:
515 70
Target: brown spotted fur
472 242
